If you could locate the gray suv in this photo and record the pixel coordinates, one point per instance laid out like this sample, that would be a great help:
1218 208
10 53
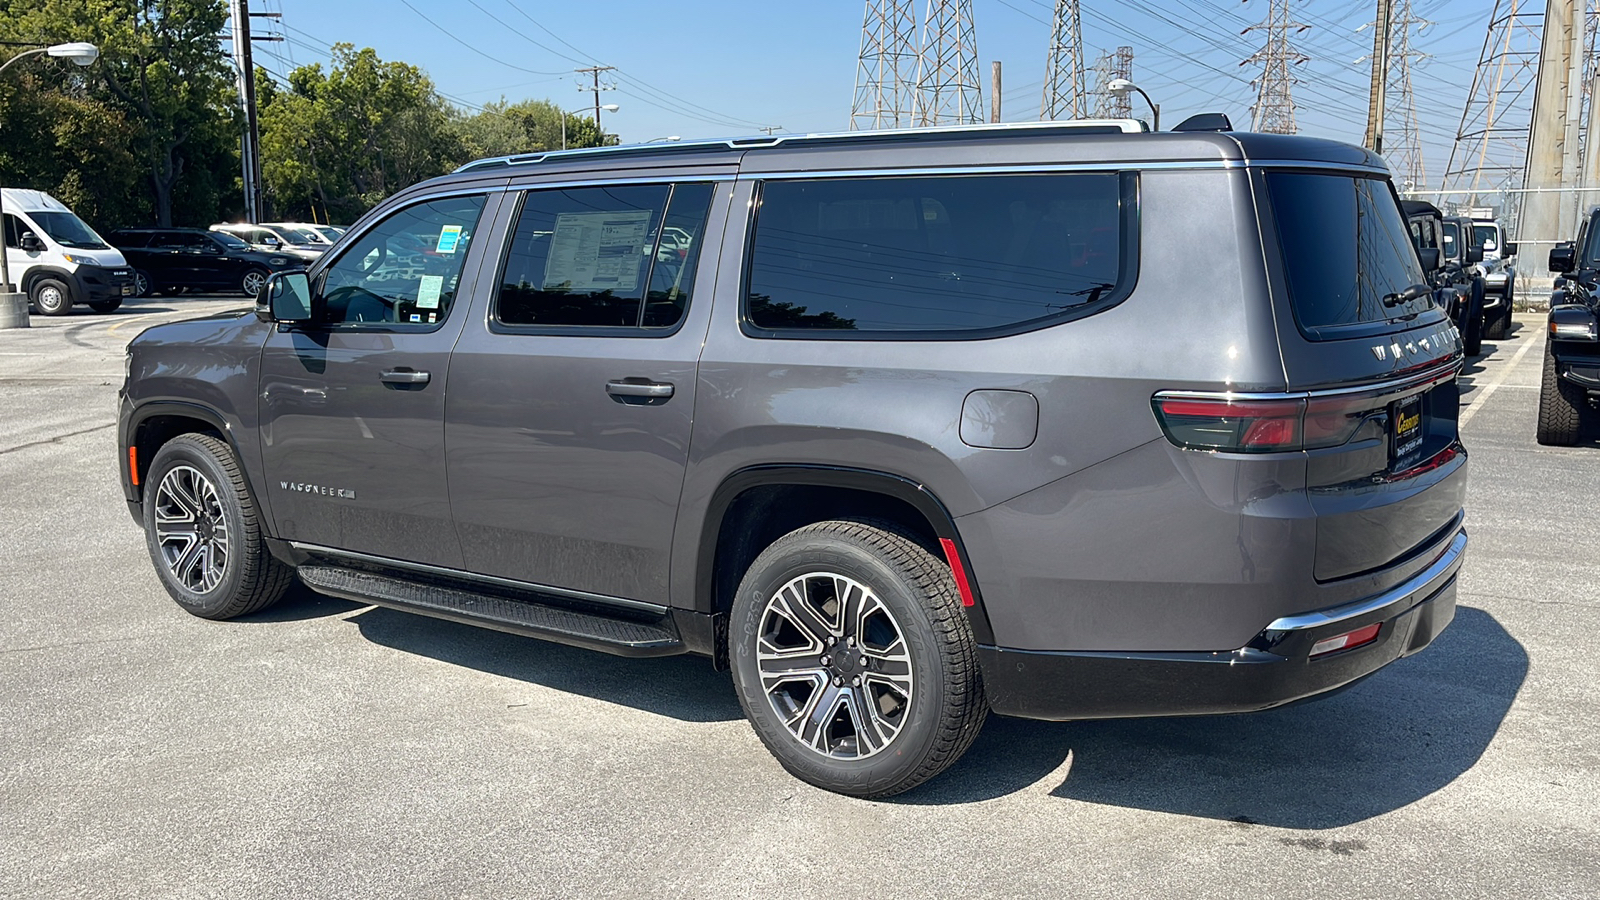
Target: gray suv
1063 421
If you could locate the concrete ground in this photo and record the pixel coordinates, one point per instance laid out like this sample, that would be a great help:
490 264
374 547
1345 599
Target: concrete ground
328 749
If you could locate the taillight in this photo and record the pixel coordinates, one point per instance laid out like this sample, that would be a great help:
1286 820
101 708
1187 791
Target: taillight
1256 424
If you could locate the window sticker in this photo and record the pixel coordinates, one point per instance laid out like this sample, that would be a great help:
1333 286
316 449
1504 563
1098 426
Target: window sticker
428 289
597 251
416 317
449 236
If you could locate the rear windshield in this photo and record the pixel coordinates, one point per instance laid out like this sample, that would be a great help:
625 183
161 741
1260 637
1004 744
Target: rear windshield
1345 247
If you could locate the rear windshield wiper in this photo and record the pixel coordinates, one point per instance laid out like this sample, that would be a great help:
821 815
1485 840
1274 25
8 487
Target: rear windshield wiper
1407 295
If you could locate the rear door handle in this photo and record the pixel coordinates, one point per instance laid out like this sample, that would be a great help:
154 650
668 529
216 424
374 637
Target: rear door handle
655 390
404 376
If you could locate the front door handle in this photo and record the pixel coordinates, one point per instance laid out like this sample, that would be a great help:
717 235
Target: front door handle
648 390
404 376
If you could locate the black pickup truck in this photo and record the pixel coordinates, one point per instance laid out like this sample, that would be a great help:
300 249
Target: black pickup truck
1571 382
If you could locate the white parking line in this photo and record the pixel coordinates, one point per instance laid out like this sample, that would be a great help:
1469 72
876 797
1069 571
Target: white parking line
1491 387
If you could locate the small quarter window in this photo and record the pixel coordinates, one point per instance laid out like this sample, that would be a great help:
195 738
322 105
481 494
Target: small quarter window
937 256
612 257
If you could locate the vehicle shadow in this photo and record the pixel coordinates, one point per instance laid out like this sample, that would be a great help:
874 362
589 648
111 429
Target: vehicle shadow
1386 742
682 687
299 604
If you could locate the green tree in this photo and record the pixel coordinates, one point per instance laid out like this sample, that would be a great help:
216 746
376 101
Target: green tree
164 77
529 126
344 139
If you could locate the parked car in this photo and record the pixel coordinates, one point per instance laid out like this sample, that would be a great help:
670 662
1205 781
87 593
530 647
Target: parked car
169 260
276 239
1058 420
1570 386
57 259
1457 288
321 234
1499 276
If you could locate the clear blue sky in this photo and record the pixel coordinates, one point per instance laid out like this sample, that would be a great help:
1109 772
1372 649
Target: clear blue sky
701 68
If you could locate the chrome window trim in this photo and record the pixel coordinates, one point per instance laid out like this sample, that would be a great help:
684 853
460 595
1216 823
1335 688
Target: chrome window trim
1422 581
1393 385
463 575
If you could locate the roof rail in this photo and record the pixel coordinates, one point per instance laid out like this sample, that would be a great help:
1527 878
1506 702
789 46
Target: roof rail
764 141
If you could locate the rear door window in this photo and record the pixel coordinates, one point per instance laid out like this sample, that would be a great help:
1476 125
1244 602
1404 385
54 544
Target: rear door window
937 257
1345 247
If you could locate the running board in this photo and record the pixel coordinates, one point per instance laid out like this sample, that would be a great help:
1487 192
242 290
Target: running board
578 628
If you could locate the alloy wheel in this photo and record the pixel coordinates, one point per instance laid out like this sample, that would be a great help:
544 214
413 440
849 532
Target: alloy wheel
191 529
834 665
253 282
141 285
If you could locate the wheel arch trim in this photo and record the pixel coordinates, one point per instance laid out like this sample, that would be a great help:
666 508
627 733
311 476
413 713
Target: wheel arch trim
177 409
913 493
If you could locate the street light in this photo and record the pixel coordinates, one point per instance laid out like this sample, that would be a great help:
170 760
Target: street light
609 107
79 52
1122 86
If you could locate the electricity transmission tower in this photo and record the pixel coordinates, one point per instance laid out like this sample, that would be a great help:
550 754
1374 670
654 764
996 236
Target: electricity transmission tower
1063 78
1491 146
1108 68
948 89
886 77
1273 110
1404 153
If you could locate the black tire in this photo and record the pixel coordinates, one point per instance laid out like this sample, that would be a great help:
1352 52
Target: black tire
142 285
1561 406
106 306
207 499
51 297
1472 326
251 282
922 719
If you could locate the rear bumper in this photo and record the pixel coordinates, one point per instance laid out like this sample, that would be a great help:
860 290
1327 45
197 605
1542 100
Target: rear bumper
1272 670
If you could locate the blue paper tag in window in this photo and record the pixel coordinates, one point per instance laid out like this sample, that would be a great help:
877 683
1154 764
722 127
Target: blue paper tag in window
449 236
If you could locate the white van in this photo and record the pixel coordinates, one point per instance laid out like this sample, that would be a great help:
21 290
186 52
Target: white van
57 260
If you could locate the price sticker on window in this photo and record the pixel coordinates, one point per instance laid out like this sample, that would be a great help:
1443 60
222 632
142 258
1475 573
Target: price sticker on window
449 237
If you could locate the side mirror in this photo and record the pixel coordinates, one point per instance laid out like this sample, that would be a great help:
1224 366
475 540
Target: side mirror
285 298
30 242
1474 254
1430 259
1562 257
1509 250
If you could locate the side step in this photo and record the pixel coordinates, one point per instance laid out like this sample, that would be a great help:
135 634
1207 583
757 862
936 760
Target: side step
594 631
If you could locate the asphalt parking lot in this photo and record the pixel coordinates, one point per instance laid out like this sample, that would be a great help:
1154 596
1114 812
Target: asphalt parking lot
327 749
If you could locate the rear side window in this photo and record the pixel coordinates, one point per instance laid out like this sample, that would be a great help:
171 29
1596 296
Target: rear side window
931 257
1345 247
617 257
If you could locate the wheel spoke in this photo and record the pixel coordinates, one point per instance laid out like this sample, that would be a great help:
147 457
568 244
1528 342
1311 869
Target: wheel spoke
813 728
794 606
869 737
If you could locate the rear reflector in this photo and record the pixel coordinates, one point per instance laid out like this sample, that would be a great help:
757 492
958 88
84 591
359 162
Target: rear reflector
953 556
1347 641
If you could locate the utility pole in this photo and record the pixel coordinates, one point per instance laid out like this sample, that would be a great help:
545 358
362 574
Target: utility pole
1377 97
1273 111
886 73
994 94
250 143
1063 79
948 90
1552 135
595 71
